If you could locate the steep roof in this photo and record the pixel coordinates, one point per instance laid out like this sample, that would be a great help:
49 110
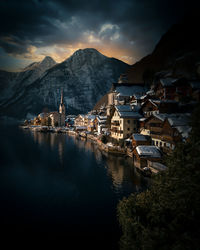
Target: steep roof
178 119
184 131
91 117
195 84
131 114
102 119
161 116
125 111
156 102
125 108
148 151
139 137
130 90
167 82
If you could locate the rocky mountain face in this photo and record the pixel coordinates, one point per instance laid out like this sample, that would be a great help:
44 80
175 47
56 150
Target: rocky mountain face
84 77
178 52
13 84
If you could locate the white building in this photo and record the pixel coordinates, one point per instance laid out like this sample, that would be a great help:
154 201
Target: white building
124 122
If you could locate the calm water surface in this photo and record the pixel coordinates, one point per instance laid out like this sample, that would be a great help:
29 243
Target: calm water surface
61 185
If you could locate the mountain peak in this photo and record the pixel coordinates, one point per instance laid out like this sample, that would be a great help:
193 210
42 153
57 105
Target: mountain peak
47 63
87 52
88 56
48 59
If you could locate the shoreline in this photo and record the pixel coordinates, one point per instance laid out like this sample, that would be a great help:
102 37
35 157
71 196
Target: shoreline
108 148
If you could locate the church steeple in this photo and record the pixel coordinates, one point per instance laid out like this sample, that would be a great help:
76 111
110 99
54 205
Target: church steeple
62 106
61 98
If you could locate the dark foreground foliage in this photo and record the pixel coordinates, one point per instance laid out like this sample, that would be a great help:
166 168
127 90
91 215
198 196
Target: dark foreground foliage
168 215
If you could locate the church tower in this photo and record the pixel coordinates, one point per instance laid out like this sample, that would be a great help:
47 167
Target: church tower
62 111
62 106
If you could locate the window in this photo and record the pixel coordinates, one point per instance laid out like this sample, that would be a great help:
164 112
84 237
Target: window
128 129
156 143
128 121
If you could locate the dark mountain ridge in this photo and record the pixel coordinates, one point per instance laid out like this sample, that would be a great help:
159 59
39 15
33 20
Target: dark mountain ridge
178 52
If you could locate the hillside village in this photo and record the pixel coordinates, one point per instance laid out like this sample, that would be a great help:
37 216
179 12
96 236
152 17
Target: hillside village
145 123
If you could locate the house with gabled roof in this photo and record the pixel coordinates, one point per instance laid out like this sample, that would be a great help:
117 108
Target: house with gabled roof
166 130
142 154
172 88
153 127
175 129
121 93
155 106
80 121
124 122
100 123
90 122
165 88
139 139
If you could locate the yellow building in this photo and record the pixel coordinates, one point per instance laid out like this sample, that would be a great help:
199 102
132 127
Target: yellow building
124 122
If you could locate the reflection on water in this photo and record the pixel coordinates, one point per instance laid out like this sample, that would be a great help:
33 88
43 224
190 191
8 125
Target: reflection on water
57 183
119 168
54 140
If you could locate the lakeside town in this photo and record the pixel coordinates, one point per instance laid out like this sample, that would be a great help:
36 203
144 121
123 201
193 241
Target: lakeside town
144 123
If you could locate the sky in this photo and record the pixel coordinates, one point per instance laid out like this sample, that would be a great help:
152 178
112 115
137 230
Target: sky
124 29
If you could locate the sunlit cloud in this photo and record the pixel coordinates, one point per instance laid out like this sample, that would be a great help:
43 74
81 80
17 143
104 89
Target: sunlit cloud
126 29
109 31
64 47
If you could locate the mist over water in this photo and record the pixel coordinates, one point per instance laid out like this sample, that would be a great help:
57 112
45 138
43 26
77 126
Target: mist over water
55 183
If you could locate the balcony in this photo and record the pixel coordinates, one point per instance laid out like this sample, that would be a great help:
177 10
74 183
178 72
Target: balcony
116 131
155 132
167 137
115 123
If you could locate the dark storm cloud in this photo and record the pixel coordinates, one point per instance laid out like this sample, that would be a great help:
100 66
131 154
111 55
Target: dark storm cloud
136 24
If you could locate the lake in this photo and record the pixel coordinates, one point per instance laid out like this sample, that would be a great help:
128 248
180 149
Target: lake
58 184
